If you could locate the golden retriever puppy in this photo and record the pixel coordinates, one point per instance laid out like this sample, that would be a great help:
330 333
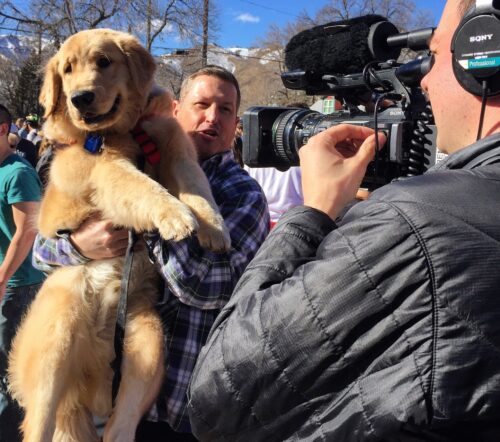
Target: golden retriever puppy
99 83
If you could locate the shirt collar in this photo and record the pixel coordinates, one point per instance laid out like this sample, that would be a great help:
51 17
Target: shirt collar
482 152
217 160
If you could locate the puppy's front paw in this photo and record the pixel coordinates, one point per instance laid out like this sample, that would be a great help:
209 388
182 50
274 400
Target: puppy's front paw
176 224
214 236
155 127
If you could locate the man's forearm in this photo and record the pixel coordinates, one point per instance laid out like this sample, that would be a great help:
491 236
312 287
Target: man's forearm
17 252
198 277
206 280
51 253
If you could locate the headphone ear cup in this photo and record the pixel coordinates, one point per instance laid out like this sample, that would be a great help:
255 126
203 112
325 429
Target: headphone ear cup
476 53
474 85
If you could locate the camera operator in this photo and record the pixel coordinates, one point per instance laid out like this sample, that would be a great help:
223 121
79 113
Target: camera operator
386 326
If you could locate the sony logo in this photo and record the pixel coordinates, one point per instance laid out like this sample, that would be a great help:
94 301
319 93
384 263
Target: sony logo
479 38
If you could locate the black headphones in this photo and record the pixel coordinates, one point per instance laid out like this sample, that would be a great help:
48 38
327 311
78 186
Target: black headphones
476 49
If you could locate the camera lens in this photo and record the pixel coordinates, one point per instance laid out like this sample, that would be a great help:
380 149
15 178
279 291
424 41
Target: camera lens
293 128
287 135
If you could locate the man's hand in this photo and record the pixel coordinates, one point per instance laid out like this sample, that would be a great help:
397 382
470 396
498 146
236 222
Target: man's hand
99 239
333 164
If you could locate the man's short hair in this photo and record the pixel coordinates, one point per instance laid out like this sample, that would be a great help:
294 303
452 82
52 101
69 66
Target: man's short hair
5 116
212 71
465 5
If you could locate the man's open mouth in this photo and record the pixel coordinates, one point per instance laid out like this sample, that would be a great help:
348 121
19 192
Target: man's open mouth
210 132
90 118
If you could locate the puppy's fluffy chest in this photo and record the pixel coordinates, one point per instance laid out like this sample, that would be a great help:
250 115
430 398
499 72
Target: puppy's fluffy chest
72 166
102 280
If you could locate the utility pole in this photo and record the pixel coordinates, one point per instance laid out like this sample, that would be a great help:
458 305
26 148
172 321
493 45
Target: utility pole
39 38
38 61
149 13
204 48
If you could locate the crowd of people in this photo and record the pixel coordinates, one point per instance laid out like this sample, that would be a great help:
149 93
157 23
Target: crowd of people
379 324
20 194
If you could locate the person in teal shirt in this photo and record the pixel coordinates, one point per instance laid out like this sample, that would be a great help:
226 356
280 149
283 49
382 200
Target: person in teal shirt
20 193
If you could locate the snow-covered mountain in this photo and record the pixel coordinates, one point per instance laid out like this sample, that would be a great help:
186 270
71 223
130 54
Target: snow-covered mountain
18 47
13 47
225 57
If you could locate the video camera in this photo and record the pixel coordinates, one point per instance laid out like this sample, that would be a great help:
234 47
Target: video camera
354 61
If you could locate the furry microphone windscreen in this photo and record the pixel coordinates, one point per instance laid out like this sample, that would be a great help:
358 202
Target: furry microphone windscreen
334 48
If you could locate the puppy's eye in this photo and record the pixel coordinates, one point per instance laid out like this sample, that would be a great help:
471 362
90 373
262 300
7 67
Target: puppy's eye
67 69
103 62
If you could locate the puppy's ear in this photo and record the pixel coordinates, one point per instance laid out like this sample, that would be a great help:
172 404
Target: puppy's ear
51 88
140 62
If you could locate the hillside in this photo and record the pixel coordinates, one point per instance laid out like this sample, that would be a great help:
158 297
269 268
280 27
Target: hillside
257 71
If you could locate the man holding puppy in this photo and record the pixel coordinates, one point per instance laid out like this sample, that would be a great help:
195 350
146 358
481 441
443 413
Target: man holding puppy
198 282
387 326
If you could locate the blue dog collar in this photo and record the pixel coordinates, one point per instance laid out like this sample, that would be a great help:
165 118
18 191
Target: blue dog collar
93 143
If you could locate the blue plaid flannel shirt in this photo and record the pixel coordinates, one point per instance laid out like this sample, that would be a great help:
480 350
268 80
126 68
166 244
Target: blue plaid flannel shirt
198 283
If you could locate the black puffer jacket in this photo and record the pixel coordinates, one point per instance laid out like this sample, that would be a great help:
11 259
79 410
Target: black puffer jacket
384 328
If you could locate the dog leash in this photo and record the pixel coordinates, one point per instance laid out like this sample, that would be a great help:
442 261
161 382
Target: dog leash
121 317
152 156
93 144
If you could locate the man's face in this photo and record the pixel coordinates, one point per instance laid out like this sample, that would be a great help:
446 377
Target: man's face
456 112
208 113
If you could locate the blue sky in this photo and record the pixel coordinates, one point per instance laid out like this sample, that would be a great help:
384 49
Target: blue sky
242 21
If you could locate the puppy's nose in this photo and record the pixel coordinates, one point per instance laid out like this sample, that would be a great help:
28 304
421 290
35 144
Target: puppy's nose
82 99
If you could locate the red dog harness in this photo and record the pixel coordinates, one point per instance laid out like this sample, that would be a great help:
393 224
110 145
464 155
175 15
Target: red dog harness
147 145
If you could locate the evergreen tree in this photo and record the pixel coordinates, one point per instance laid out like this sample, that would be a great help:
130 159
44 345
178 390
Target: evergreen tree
7 82
27 87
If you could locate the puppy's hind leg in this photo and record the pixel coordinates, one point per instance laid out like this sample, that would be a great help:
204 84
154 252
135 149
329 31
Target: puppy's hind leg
40 408
39 367
142 374
75 425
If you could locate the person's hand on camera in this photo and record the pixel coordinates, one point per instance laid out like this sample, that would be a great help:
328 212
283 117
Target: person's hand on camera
333 164
98 238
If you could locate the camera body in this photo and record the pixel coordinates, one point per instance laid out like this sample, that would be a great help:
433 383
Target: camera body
274 135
